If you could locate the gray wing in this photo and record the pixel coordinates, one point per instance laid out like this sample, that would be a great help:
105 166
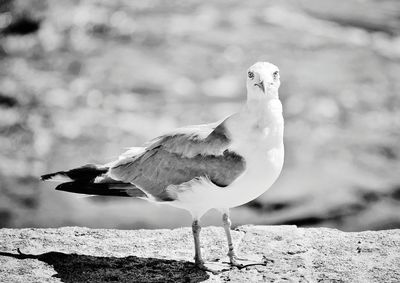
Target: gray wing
180 157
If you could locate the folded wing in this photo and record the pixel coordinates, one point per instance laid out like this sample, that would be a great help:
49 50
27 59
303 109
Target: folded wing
177 158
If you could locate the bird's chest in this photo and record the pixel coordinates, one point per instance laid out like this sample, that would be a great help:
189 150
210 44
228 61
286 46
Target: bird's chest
258 134
259 140
263 167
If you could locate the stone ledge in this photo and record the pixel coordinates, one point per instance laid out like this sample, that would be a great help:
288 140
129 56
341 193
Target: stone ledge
75 254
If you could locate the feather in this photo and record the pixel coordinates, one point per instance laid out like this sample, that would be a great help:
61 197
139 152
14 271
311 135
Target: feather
101 189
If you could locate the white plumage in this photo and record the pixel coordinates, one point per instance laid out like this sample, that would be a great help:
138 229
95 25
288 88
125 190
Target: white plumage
197 168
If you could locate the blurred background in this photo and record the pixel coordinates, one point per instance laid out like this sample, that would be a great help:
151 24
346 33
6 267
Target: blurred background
82 80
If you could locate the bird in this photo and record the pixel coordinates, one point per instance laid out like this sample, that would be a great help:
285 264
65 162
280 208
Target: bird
197 168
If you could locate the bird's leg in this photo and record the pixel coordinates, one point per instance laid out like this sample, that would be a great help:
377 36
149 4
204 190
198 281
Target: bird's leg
233 258
196 228
227 226
198 260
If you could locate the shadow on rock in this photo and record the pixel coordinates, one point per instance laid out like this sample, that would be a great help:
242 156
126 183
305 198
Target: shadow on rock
86 268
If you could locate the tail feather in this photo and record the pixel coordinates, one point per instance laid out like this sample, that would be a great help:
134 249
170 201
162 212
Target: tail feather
101 189
84 173
56 177
92 179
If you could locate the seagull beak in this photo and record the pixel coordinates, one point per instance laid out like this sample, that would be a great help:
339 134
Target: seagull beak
261 85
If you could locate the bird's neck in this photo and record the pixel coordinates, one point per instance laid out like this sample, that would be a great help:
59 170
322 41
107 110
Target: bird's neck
259 123
255 95
265 109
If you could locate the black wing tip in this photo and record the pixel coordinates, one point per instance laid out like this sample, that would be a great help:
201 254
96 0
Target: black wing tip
99 189
47 176
84 173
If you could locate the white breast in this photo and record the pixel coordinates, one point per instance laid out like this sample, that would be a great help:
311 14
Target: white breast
258 137
262 170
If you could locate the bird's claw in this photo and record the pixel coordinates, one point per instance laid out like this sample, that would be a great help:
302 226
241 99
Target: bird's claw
201 265
235 261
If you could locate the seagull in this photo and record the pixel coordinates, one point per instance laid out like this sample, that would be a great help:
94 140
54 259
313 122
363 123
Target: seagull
197 168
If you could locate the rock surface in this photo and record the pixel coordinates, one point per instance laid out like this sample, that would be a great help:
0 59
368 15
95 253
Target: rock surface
74 254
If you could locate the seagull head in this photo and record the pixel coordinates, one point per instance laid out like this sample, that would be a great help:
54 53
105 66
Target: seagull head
263 81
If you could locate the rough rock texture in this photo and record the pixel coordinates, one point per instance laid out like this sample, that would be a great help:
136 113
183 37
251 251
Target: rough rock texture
74 254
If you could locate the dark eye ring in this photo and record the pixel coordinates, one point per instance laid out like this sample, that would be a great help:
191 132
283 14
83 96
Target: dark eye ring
250 74
275 74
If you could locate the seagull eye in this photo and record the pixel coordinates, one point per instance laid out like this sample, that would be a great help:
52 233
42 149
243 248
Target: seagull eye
275 75
250 75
